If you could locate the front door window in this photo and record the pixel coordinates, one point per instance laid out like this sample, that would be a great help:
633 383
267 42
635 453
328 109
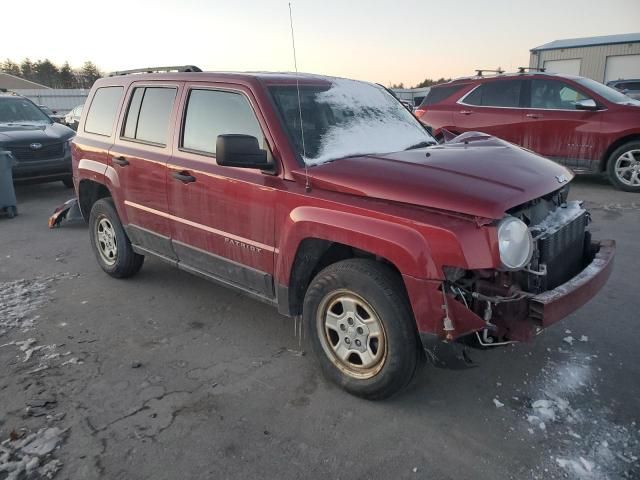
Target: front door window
554 95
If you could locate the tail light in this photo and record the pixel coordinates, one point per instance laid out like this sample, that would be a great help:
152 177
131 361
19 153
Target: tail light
420 111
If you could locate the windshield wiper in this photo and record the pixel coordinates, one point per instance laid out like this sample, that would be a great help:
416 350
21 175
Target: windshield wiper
428 143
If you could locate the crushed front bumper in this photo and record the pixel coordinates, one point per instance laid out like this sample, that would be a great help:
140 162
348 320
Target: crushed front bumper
553 305
519 320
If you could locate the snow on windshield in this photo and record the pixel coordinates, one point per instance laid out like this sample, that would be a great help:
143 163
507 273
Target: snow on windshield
346 118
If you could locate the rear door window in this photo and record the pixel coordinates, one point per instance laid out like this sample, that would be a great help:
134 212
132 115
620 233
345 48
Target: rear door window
149 114
103 110
499 93
213 112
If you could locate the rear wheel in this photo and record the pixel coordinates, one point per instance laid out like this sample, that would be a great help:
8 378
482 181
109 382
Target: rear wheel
361 328
110 242
623 167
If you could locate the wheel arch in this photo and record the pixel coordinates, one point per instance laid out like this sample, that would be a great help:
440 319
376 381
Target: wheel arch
315 238
89 192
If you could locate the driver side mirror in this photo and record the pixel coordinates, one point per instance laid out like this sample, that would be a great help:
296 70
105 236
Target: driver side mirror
586 104
237 150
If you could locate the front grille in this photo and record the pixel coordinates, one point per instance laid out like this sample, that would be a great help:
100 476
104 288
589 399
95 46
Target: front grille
563 250
26 153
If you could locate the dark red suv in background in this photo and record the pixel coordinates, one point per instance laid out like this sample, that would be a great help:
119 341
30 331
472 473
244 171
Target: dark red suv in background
575 121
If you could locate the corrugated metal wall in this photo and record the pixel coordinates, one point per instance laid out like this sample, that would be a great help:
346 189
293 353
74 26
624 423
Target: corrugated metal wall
60 99
594 59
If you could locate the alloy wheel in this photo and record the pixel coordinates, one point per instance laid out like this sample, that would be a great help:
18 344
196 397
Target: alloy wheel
627 168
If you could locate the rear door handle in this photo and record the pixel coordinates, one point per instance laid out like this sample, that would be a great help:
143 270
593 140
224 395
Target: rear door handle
534 115
123 162
466 112
184 177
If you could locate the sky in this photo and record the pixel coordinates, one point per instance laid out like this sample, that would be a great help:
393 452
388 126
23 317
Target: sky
380 41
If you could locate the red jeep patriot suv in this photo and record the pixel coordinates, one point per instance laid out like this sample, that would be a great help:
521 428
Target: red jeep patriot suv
326 198
575 121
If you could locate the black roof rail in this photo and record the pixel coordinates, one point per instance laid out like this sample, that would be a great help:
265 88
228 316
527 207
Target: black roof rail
480 72
178 68
531 69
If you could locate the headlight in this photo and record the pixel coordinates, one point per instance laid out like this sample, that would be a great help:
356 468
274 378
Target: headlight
515 243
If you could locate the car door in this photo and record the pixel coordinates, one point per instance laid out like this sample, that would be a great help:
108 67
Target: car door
139 157
222 217
555 128
493 107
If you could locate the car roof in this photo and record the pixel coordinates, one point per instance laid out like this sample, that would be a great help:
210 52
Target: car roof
268 78
484 78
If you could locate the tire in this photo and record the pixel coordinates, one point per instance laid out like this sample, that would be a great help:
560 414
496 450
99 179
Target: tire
68 182
623 167
110 242
365 301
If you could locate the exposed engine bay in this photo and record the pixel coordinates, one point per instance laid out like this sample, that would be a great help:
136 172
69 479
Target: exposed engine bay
561 249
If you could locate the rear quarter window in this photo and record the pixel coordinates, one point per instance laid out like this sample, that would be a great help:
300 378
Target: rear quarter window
103 110
438 94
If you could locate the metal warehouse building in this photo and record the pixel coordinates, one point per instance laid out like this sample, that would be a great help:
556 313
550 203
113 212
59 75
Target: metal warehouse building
611 57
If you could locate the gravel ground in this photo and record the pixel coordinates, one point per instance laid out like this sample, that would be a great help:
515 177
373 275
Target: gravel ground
167 376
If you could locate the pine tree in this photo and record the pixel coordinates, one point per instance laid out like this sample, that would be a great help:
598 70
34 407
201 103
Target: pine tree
89 74
46 73
11 68
26 69
66 77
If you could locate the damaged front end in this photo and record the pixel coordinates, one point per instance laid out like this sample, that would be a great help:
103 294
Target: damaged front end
566 269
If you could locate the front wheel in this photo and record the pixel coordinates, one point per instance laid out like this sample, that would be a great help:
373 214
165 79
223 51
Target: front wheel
361 328
68 182
623 167
110 242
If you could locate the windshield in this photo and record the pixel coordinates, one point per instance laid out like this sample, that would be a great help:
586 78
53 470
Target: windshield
606 92
20 110
344 118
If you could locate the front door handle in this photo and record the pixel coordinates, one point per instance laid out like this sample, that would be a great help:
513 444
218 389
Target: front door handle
466 112
123 162
534 115
184 177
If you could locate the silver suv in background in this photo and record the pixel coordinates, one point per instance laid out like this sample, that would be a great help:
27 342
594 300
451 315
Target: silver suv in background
630 87
72 118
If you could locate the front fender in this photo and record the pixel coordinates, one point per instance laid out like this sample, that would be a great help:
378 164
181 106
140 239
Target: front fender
400 244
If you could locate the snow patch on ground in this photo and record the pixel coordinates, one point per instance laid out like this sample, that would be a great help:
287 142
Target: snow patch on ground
31 456
581 468
20 299
590 447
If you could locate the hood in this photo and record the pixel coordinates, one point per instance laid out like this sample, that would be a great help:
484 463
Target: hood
475 174
18 134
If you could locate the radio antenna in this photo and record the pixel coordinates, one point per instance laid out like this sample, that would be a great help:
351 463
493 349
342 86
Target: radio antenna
307 185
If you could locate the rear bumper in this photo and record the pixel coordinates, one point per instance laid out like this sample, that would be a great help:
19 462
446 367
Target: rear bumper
551 306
